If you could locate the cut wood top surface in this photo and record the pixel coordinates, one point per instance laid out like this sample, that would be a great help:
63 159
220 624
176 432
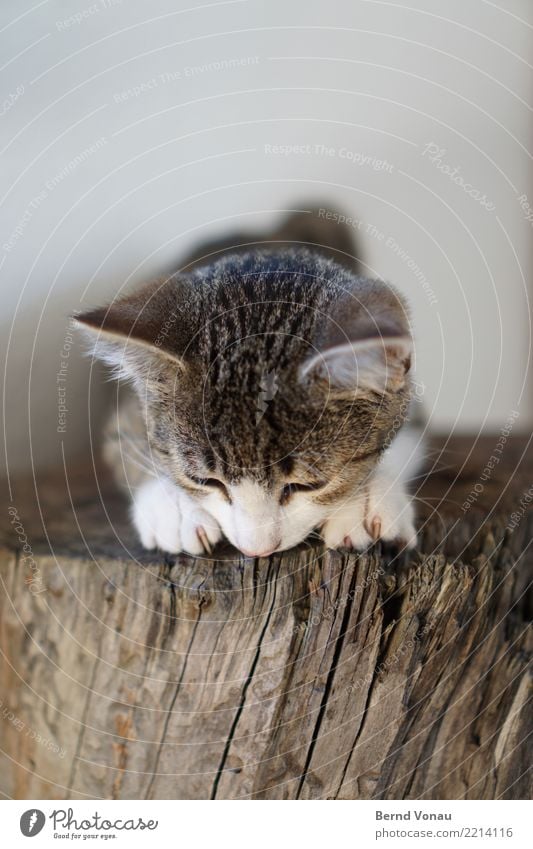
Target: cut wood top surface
310 674
77 511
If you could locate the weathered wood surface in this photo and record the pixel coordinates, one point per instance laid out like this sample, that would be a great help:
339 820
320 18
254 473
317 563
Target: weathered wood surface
307 675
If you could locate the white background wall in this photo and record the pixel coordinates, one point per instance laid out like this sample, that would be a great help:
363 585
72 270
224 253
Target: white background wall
175 150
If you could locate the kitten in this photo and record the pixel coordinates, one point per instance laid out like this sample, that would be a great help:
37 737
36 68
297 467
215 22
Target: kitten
270 382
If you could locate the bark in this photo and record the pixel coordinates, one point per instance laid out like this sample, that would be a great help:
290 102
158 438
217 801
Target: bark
311 674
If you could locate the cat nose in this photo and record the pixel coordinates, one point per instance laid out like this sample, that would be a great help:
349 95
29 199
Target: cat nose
266 553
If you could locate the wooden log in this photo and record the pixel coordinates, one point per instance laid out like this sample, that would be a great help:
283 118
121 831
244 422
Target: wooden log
311 674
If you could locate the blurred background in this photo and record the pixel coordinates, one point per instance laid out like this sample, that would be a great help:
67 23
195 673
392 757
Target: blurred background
133 130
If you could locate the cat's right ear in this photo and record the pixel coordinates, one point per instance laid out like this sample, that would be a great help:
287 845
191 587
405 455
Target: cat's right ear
377 364
139 332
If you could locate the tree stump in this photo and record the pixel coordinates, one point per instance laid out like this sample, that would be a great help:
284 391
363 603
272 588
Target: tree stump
311 674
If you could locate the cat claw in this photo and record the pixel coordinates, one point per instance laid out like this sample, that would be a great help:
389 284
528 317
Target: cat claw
169 520
390 534
374 528
204 539
399 532
387 515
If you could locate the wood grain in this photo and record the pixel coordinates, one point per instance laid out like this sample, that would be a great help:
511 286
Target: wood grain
314 674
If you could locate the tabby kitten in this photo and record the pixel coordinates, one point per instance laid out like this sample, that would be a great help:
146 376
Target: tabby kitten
270 382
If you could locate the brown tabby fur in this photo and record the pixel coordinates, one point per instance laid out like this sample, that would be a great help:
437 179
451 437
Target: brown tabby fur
203 341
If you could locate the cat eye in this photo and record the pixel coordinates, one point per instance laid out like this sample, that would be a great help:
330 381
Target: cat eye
291 488
211 483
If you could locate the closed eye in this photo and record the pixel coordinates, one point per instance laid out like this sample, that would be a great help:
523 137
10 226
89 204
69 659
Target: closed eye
291 488
212 483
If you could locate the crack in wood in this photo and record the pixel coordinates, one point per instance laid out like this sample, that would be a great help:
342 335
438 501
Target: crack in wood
246 685
277 681
329 681
149 789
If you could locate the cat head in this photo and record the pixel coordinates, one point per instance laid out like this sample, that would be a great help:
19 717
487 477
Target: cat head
270 385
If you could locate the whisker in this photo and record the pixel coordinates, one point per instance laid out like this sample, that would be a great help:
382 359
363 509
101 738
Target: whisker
434 512
149 471
428 473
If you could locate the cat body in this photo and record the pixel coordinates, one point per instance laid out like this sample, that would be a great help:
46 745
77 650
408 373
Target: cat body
270 385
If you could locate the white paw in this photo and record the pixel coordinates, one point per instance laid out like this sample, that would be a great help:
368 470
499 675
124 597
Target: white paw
346 527
384 511
390 513
166 518
200 532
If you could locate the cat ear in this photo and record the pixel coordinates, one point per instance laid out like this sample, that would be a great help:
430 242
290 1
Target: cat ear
137 332
375 364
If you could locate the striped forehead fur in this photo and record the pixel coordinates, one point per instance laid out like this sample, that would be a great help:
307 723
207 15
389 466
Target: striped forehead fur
246 319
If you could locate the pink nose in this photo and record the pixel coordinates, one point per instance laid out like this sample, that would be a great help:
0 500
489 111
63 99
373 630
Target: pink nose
260 553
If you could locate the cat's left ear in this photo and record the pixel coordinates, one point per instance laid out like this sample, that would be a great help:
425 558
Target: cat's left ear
377 364
139 331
